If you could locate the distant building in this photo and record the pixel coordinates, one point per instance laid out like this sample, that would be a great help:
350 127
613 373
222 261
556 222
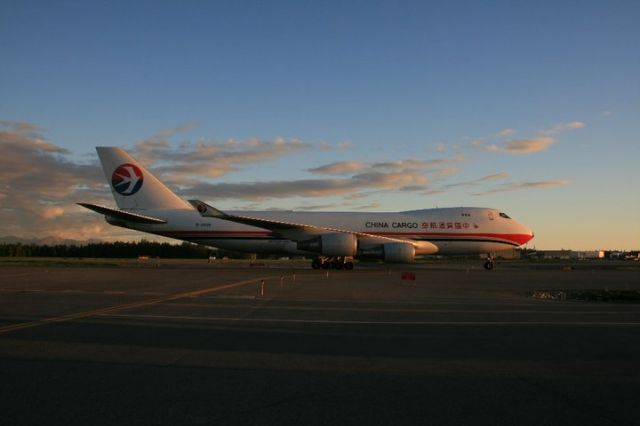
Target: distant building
556 254
587 255
514 253
579 254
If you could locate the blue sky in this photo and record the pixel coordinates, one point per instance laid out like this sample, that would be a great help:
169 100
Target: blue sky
531 107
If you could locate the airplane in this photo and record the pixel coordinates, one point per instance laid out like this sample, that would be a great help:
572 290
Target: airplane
332 239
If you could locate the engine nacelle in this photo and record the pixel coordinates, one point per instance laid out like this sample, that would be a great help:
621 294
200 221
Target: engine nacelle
399 252
115 221
340 244
390 252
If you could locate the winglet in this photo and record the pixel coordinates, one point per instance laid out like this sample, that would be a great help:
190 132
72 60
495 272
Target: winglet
206 210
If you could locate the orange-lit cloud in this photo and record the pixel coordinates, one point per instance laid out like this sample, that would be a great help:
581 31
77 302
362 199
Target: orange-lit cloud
541 142
522 146
189 162
40 184
563 127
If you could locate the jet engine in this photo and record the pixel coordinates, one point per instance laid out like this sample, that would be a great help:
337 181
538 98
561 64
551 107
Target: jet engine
390 252
399 252
339 244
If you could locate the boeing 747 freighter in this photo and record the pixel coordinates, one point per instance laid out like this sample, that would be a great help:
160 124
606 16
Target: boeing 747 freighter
333 239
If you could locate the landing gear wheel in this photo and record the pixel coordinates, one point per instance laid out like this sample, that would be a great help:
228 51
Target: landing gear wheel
315 264
348 266
488 265
326 265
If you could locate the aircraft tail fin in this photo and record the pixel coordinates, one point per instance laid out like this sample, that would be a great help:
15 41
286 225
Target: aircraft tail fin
133 186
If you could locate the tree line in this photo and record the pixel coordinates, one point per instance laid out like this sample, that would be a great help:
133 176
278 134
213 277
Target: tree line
118 249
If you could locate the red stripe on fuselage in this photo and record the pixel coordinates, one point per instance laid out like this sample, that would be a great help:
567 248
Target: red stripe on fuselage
518 239
514 238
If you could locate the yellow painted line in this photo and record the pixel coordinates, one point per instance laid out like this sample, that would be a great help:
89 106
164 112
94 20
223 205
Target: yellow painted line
103 311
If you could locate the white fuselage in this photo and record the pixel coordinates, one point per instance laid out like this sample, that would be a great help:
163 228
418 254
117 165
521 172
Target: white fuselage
460 230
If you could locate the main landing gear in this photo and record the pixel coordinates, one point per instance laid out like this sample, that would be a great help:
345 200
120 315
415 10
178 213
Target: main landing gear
332 262
488 265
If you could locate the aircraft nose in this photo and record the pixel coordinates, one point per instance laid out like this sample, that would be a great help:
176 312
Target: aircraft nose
530 234
526 233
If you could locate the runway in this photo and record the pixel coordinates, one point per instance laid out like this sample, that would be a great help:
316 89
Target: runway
218 344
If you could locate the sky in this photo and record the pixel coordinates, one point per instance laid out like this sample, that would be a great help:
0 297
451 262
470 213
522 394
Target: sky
529 107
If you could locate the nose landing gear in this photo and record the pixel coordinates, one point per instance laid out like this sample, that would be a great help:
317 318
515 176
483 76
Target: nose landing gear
488 265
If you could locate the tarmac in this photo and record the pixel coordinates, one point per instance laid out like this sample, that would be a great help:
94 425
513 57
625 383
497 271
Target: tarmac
214 344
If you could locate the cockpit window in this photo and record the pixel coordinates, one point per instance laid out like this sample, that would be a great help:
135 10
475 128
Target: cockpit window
504 215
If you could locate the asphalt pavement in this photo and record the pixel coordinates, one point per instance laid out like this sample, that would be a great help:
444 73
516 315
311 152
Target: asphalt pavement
216 344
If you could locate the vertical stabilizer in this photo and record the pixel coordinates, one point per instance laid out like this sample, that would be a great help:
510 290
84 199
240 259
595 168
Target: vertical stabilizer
133 186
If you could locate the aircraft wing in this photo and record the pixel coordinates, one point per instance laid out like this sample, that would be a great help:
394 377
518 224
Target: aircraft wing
122 214
298 231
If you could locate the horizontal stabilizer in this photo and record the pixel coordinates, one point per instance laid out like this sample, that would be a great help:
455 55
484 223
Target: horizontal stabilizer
121 214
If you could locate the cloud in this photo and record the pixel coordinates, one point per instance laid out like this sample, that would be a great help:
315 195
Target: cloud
52 212
401 181
522 146
399 175
418 165
21 127
40 184
541 142
563 127
216 159
337 206
440 147
340 146
371 206
504 133
354 179
433 192
339 168
448 171
310 207
496 176
519 186
488 178
259 191
189 162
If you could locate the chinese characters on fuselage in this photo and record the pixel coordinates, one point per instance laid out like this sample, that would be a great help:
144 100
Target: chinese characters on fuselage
421 225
